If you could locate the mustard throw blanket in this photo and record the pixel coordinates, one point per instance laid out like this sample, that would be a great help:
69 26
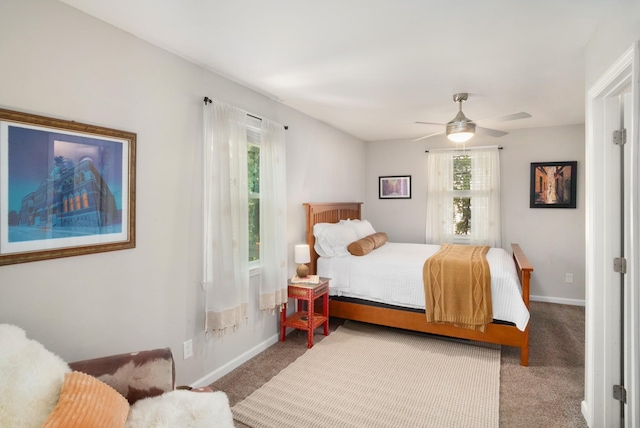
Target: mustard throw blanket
457 286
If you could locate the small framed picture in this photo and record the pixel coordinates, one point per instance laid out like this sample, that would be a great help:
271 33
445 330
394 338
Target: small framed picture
553 184
395 187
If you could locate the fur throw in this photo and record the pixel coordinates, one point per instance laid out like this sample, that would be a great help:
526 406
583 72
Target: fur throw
182 409
31 377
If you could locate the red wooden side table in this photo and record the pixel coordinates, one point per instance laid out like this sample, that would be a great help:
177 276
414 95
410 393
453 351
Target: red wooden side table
307 319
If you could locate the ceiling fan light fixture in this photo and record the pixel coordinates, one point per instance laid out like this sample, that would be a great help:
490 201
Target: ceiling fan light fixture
460 137
460 129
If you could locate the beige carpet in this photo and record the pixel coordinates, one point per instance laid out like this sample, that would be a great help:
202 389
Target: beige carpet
369 376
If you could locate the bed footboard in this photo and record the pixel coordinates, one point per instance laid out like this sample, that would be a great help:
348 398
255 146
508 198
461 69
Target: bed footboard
524 269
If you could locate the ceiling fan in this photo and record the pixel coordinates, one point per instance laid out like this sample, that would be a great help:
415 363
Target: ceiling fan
461 128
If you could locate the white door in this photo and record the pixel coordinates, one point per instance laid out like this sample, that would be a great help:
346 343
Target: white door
612 232
631 298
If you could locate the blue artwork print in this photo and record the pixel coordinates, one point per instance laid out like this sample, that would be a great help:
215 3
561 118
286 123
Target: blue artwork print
62 185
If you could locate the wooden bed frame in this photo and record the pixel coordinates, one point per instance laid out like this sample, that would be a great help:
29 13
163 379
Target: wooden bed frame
502 334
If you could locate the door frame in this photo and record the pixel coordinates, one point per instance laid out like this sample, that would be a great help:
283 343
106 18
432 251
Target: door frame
599 408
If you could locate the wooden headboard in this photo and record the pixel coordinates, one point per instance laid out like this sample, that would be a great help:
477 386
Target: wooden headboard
328 212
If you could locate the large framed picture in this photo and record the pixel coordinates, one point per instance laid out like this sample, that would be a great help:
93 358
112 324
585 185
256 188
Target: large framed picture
553 184
395 187
66 188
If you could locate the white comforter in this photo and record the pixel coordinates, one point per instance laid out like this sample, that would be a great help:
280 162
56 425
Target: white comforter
392 274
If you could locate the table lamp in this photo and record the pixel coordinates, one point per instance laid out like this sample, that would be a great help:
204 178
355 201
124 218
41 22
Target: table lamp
302 256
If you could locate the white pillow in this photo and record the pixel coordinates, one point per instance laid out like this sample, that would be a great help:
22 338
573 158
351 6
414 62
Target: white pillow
362 228
318 232
182 409
339 236
31 376
332 239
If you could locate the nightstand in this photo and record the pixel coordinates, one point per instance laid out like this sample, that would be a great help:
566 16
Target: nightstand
306 318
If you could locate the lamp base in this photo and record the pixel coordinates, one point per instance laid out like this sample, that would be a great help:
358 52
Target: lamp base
302 271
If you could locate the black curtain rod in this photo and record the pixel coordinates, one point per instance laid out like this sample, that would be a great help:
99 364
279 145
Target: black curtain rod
208 100
462 150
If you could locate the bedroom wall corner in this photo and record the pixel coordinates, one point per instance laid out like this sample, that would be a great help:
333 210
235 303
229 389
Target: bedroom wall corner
323 165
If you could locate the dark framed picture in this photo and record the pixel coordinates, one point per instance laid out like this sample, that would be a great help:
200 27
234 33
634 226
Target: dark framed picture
66 188
394 187
553 184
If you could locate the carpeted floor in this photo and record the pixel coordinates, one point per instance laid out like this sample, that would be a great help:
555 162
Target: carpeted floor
548 393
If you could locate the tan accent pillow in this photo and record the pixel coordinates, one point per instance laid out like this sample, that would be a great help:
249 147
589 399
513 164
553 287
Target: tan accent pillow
362 246
365 245
88 402
379 238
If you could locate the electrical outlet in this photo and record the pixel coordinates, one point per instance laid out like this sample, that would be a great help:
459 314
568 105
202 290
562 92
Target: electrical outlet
568 278
188 349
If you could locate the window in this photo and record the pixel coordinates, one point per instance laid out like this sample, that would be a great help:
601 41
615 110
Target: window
463 197
253 171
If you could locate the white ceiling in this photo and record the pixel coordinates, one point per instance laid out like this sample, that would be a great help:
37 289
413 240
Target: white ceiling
373 67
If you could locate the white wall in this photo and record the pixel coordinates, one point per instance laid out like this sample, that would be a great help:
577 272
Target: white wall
552 239
59 62
615 34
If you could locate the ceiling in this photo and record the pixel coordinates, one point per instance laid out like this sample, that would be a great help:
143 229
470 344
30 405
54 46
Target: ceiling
373 67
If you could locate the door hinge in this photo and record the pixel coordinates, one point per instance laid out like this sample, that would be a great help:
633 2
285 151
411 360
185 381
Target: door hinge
620 137
619 393
620 265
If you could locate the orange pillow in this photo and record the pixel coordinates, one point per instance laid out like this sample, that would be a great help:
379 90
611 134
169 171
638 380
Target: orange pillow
379 238
362 246
365 245
86 401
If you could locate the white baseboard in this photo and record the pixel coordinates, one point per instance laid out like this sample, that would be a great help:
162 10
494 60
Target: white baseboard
235 363
585 412
559 300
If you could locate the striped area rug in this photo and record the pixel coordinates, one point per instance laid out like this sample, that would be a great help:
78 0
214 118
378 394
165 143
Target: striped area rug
370 376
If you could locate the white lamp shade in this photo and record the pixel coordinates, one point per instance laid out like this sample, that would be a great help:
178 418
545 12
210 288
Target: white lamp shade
302 254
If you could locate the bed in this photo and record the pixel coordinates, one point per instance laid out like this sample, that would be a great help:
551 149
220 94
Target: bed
514 333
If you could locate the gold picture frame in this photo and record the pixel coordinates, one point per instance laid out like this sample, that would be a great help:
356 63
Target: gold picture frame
66 188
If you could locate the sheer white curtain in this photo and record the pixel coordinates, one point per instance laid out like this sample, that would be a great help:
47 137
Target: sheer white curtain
440 221
484 192
486 226
273 216
225 216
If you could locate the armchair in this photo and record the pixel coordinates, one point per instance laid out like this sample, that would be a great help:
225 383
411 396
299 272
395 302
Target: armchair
135 390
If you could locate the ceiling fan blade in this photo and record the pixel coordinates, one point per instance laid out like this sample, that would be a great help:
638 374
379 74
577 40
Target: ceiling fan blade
506 117
430 123
427 136
490 132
